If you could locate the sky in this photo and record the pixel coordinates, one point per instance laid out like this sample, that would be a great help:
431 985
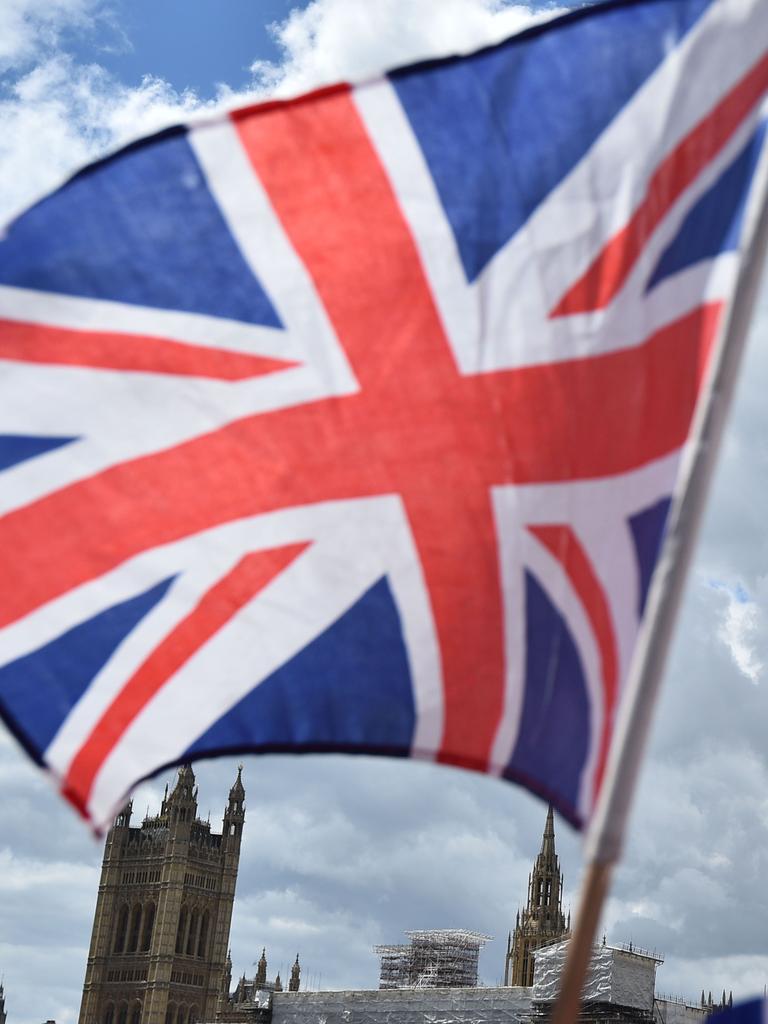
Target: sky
338 856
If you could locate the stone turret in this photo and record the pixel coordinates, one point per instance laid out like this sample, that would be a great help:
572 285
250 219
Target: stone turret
295 980
261 969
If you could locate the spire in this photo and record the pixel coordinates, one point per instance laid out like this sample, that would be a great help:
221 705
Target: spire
182 801
278 983
295 979
548 839
226 977
123 819
237 792
261 969
542 920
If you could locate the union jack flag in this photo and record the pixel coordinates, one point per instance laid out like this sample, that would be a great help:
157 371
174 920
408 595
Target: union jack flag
351 422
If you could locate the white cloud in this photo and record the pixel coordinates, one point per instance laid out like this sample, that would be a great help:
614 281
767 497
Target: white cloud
740 629
31 27
59 115
25 874
56 115
340 40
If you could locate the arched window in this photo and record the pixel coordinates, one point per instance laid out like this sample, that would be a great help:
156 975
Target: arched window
136 1013
149 921
109 1014
181 1016
192 1015
120 931
170 1013
133 934
181 930
201 944
194 924
122 1014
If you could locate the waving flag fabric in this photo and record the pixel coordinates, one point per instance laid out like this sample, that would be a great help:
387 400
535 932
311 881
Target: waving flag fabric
351 422
755 1011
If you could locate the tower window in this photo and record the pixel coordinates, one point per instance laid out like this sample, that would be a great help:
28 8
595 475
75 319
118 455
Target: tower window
120 932
203 936
182 929
194 924
109 1016
133 938
149 921
136 1013
122 1015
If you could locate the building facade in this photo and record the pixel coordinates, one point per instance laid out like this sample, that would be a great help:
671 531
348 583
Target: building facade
158 952
542 920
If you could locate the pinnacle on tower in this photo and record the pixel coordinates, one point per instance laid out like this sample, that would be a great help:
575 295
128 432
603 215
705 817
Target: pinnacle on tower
548 839
261 968
235 805
295 979
278 983
237 792
182 800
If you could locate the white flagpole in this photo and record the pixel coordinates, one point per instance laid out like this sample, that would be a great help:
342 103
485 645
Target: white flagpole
605 836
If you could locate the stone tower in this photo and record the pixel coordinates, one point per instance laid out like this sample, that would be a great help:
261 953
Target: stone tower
261 969
3 1014
542 920
158 950
295 983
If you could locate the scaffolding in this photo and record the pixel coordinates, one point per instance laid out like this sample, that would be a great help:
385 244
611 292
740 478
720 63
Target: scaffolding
437 958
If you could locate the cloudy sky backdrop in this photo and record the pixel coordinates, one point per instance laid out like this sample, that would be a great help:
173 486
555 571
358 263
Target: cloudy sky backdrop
336 860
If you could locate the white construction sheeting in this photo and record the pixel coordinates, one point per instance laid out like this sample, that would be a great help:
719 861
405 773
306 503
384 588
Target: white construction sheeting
616 975
405 1006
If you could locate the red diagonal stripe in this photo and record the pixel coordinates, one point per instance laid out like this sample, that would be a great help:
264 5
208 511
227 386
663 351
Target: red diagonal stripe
597 287
563 543
251 574
410 433
38 343
596 417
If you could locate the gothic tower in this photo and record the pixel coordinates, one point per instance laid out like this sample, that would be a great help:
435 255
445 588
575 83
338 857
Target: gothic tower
261 969
295 983
542 920
161 929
